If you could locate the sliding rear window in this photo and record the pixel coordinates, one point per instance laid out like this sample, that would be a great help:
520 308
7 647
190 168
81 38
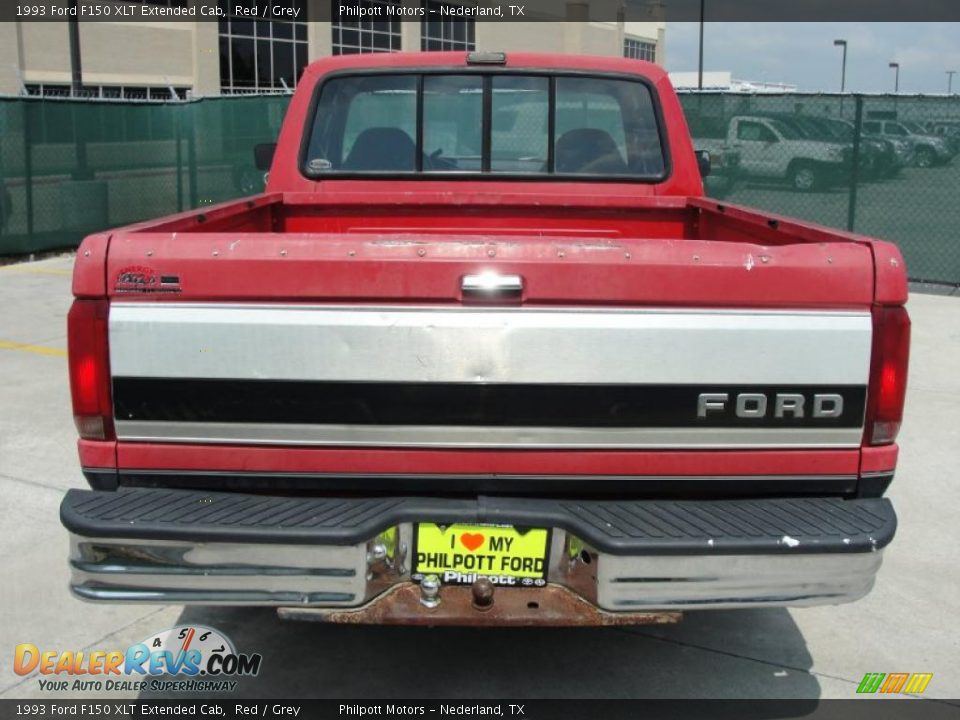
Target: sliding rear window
470 123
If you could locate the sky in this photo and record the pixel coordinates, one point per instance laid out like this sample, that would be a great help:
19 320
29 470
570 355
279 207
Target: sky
803 54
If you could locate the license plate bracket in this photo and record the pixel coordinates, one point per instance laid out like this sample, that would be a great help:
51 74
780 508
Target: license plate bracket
460 553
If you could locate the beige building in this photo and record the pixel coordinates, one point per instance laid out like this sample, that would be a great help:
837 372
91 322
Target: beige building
150 58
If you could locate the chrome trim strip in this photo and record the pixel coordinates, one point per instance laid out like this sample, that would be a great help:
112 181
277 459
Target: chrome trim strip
97 593
484 437
728 581
489 345
203 574
147 569
226 573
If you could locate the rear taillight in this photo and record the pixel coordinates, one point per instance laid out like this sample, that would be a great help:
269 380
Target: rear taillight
90 369
888 375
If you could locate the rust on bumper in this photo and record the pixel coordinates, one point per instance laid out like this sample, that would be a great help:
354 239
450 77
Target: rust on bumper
553 605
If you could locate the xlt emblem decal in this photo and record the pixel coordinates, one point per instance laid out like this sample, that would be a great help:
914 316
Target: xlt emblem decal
141 279
748 405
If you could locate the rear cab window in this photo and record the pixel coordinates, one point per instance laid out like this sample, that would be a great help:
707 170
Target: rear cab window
507 124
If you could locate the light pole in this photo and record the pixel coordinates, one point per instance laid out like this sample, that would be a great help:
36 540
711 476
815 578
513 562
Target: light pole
73 37
896 78
843 67
950 74
700 71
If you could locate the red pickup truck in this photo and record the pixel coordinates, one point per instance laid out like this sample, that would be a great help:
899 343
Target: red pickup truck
483 353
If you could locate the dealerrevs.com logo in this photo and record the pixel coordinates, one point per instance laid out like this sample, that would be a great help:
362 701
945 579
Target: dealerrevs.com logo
186 658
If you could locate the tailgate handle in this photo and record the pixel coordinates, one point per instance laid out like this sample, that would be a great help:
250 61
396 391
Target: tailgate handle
491 286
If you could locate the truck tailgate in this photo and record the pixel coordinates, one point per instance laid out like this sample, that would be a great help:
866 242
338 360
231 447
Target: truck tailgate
369 340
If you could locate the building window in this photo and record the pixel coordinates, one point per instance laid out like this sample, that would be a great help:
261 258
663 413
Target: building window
365 36
109 92
261 56
440 31
47 90
639 50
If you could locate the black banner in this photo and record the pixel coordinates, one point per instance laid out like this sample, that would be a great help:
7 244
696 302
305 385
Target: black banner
486 10
519 709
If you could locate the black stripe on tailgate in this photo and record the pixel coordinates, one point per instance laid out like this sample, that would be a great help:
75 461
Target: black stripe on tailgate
467 404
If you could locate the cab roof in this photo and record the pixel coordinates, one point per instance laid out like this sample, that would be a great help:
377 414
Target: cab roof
514 60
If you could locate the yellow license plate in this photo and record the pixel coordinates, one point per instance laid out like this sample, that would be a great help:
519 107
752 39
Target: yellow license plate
459 554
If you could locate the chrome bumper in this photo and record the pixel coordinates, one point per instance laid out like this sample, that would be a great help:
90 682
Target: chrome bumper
337 577
734 581
217 573
725 554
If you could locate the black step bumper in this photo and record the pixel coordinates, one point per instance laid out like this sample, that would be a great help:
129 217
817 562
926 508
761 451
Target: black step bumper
618 527
186 546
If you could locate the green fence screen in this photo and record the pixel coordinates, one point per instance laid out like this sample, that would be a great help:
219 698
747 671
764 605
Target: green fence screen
879 165
68 168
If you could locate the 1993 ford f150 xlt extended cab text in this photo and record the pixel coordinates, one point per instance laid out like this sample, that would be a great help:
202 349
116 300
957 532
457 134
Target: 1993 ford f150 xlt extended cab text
483 353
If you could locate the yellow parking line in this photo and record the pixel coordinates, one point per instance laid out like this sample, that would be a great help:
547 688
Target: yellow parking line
38 270
26 347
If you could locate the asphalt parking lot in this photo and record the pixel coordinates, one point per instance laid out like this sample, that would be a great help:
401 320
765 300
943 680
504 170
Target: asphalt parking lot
907 624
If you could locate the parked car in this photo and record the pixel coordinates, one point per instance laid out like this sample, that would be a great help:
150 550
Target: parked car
950 130
710 135
929 150
903 151
872 160
888 155
428 379
776 150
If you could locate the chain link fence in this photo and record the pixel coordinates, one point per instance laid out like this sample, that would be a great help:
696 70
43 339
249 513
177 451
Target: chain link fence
878 165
